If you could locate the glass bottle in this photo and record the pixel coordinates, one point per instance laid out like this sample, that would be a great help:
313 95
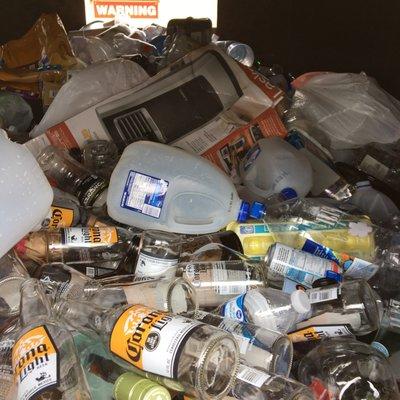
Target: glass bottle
73 177
158 254
351 303
7 341
255 384
100 157
268 308
12 276
202 358
219 281
104 247
44 360
259 347
346 369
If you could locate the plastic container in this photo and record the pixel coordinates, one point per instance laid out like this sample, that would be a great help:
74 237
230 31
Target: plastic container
155 186
268 308
25 195
273 165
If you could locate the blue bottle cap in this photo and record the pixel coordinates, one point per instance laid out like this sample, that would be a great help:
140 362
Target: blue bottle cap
295 140
288 193
381 348
334 276
244 212
257 210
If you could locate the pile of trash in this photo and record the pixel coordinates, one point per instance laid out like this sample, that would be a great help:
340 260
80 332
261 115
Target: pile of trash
187 223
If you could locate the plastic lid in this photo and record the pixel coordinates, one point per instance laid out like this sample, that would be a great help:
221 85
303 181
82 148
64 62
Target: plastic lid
133 387
288 193
300 301
257 210
244 212
381 348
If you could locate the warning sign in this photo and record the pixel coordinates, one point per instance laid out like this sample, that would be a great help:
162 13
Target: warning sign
133 9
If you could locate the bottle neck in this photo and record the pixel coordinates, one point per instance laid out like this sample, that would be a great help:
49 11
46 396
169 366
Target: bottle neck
34 304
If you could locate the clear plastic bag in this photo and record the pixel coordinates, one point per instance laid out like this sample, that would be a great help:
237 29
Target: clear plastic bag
345 110
14 111
88 87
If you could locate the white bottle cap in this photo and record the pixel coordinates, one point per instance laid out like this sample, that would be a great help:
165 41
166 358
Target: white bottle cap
300 301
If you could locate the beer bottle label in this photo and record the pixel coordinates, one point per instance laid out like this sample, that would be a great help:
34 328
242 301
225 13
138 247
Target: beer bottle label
35 361
148 265
90 236
61 217
151 340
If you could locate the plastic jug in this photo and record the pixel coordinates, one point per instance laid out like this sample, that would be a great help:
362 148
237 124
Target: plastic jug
374 203
25 195
272 165
155 186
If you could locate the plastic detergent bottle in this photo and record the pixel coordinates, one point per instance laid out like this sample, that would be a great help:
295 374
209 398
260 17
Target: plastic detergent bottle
155 186
25 195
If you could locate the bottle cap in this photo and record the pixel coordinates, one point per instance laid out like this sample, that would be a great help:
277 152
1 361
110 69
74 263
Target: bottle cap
244 212
334 276
381 348
300 301
134 387
288 193
257 210
295 140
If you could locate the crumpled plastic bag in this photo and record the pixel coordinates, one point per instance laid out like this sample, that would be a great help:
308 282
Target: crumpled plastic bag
91 49
14 111
89 87
344 110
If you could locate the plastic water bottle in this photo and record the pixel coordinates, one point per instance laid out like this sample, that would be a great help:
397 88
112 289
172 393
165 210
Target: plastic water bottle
25 195
374 203
273 165
240 52
268 308
155 186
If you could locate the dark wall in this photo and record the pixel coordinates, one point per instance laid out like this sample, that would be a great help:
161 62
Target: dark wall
19 15
311 35
301 35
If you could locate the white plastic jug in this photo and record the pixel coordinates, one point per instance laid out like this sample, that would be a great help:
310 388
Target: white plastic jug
25 193
155 186
272 165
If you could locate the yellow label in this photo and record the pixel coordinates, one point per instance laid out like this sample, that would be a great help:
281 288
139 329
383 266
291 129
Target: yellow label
35 363
90 236
151 340
319 332
61 217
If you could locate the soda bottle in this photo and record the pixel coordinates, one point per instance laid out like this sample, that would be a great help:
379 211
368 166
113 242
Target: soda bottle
25 194
263 348
218 281
346 369
86 246
268 308
72 176
181 192
43 356
256 384
203 358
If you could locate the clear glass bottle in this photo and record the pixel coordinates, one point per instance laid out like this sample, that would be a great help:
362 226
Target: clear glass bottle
256 384
262 348
7 341
73 177
100 157
201 357
268 308
104 247
224 244
351 303
218 281
347 369
12 276
44 360
158 254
